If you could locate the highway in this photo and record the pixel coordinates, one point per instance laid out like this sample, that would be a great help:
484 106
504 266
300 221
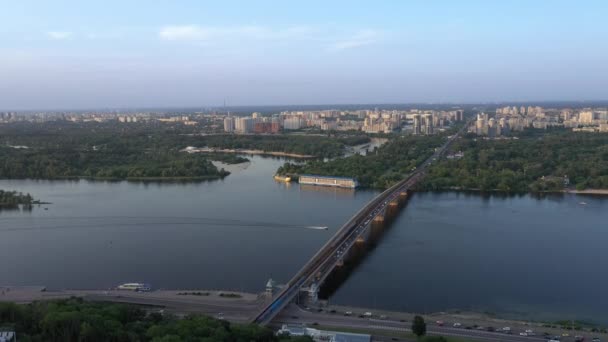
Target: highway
323 262
385 330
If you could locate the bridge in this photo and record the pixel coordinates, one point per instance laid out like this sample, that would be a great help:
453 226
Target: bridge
333 253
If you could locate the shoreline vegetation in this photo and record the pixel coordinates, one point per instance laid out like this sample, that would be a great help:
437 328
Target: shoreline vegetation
78 320
107 151
14 199
379 168
247 151
498 192
536 162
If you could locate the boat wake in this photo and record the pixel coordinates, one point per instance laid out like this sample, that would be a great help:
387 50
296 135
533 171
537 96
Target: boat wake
97 222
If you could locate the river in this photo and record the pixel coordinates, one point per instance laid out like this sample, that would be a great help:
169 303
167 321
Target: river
517 256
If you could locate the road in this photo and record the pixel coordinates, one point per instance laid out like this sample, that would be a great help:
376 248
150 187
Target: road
293 314
323 262
212 304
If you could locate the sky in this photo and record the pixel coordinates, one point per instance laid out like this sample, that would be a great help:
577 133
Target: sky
117 54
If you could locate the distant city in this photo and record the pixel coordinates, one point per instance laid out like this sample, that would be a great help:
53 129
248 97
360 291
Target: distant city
416 121
509 119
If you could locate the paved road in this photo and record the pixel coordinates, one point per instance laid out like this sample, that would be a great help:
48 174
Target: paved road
295 315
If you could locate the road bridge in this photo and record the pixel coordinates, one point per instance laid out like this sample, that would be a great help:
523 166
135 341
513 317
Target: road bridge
333 253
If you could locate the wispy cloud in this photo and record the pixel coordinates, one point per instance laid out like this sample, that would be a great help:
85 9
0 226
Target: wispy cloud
205 33
361 38
58 35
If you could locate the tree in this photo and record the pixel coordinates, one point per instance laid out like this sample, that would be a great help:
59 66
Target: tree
419 326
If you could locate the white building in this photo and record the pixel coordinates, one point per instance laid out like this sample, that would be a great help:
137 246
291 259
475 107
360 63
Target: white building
243 125
229 124
292 123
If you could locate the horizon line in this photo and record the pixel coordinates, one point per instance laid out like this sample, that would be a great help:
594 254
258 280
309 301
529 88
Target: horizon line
329 105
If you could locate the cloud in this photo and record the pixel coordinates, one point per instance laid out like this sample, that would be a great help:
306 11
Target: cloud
361 38
58 35
203 33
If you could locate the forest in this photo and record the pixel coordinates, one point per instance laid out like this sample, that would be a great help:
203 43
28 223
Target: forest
61 163
380 168
532 162
55 150
76 320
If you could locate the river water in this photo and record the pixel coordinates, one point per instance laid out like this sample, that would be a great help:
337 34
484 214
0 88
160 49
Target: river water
515 256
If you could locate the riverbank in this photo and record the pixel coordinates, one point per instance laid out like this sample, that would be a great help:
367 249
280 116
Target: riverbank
599 192
588 192
239 306
129 179
191 149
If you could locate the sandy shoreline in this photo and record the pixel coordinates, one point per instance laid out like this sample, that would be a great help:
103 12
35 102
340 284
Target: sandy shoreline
246 151
588 192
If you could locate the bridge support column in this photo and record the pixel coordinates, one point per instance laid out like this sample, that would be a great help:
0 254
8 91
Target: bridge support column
313 293
402 198
377 228
392 209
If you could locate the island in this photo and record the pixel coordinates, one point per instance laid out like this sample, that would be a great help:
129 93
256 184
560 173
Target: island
13 199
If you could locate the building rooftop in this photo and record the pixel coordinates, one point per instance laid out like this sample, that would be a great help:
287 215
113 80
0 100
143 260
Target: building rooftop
328 177
350 337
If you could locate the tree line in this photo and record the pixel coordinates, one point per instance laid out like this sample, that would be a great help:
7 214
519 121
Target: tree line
76 320
530 163
380 168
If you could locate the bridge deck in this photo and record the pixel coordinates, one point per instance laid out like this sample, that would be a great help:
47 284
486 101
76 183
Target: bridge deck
325 259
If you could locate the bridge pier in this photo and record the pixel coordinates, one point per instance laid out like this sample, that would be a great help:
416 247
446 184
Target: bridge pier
392 209
313 293
376 228
402 198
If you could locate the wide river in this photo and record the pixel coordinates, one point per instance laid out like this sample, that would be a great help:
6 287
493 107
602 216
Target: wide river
515 256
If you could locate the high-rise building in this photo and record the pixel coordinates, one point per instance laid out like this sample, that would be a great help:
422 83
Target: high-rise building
428 124
229 124
492 127
586 117
292 123
417 124
480 124
243 125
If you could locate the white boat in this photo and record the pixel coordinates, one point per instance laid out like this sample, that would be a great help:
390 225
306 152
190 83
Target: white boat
137 287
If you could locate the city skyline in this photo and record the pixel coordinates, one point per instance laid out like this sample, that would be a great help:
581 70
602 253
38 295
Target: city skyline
69 55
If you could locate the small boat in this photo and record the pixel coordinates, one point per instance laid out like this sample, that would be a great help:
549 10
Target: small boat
583 203
137 287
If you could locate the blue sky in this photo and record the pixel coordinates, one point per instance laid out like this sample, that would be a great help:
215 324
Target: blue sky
83 54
